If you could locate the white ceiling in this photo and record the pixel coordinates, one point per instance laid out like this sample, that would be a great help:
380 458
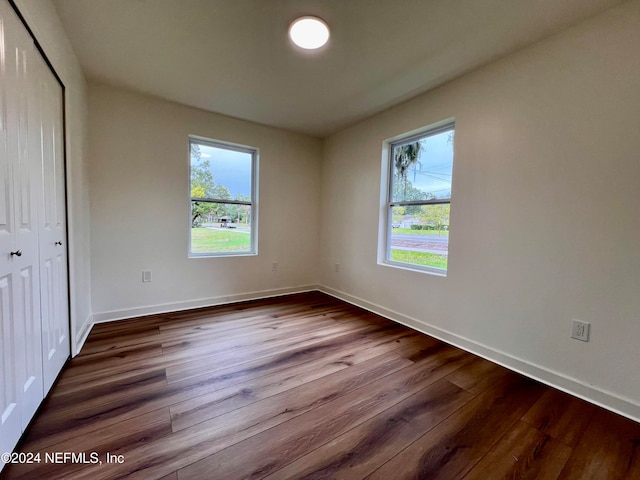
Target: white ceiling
234 57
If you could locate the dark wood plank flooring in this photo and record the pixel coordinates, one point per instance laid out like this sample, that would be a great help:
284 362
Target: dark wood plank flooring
307 386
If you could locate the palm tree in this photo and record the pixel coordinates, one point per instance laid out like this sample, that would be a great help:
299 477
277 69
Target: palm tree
404 156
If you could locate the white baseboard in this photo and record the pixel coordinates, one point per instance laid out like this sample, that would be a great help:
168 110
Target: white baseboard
608 400
198 303
82 337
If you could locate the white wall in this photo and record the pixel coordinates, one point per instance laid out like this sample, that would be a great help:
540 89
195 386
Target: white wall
139 170
545 225
43 20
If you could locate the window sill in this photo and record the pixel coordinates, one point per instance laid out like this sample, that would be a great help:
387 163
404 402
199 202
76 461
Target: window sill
438 272
222 254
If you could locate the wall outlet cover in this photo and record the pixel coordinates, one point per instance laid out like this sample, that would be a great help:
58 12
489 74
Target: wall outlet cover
580 330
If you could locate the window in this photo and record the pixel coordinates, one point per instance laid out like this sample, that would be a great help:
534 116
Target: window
223 198
419 200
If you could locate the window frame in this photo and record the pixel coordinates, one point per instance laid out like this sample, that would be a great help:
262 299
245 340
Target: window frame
252 203
389 204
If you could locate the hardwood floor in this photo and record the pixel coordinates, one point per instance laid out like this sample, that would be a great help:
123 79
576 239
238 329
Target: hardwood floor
306 386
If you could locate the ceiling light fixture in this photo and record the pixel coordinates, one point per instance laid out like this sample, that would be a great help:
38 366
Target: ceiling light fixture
309 32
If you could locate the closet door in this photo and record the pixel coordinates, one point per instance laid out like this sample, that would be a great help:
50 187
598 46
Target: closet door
52 229
27 178
20 182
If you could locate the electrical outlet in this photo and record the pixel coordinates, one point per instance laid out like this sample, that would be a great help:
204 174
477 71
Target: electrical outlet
580 330
146 275
274 267
337 267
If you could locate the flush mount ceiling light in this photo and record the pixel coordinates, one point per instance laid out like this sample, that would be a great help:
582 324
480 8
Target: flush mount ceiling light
309 32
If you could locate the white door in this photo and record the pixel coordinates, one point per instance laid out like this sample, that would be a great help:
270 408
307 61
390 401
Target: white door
20 329
52 230
10 421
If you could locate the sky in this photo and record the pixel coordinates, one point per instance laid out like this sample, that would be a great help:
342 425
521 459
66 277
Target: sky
432 172
229 168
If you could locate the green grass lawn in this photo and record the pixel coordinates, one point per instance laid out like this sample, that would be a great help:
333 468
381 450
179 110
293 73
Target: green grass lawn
444 233
419 258
206 240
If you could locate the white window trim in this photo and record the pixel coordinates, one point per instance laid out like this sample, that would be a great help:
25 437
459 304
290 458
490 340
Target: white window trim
386 217
255 158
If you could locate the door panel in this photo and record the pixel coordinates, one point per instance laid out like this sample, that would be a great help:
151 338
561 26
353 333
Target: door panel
47 309
52 230
10 427
11 321
27 177
31 382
